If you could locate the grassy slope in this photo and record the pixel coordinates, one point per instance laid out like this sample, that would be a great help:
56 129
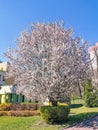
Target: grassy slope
36 122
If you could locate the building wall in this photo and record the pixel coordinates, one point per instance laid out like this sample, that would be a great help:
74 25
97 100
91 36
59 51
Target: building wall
93 51
7 92
3 66
3 96
2 78
12 98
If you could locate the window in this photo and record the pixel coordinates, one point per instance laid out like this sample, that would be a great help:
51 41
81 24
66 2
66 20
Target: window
3 78
11 97
17 98
0 77
23 98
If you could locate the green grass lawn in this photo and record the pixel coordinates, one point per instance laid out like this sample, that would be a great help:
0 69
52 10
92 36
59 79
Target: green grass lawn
78 113
81 113
25 123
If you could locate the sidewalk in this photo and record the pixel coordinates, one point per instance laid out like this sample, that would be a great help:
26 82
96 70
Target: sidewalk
90 124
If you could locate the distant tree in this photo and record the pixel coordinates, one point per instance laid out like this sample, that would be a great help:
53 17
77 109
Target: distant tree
48 62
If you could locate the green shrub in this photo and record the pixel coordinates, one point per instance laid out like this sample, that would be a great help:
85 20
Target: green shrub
90 96
54 114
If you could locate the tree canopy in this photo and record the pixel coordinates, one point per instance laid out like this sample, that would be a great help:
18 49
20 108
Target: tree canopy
48 62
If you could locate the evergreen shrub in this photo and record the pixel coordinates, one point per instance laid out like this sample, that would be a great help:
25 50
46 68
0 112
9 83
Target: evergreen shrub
54 114
90 95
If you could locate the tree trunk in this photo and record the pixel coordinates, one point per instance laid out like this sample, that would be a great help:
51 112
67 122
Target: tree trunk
80 92
54 103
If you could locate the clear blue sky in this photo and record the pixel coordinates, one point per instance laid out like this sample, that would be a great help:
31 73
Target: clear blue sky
17 15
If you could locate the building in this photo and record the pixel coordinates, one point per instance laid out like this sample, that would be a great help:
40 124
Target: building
2 77
93 51
3 65
8 91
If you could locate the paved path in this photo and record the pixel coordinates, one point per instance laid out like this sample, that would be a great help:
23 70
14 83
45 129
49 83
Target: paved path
90 124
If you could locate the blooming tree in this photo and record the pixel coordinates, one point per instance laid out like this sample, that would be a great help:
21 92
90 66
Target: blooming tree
48 62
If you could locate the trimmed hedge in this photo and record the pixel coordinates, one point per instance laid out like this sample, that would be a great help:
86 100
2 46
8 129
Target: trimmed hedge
54 114
5 107
19 107
19 113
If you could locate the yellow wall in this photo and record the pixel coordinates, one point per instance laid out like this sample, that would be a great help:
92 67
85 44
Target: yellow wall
3 97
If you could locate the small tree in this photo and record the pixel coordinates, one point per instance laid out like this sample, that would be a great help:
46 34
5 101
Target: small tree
48 62
90 95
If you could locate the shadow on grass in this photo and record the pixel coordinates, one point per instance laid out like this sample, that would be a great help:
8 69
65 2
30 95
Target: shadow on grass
75 119
76 105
